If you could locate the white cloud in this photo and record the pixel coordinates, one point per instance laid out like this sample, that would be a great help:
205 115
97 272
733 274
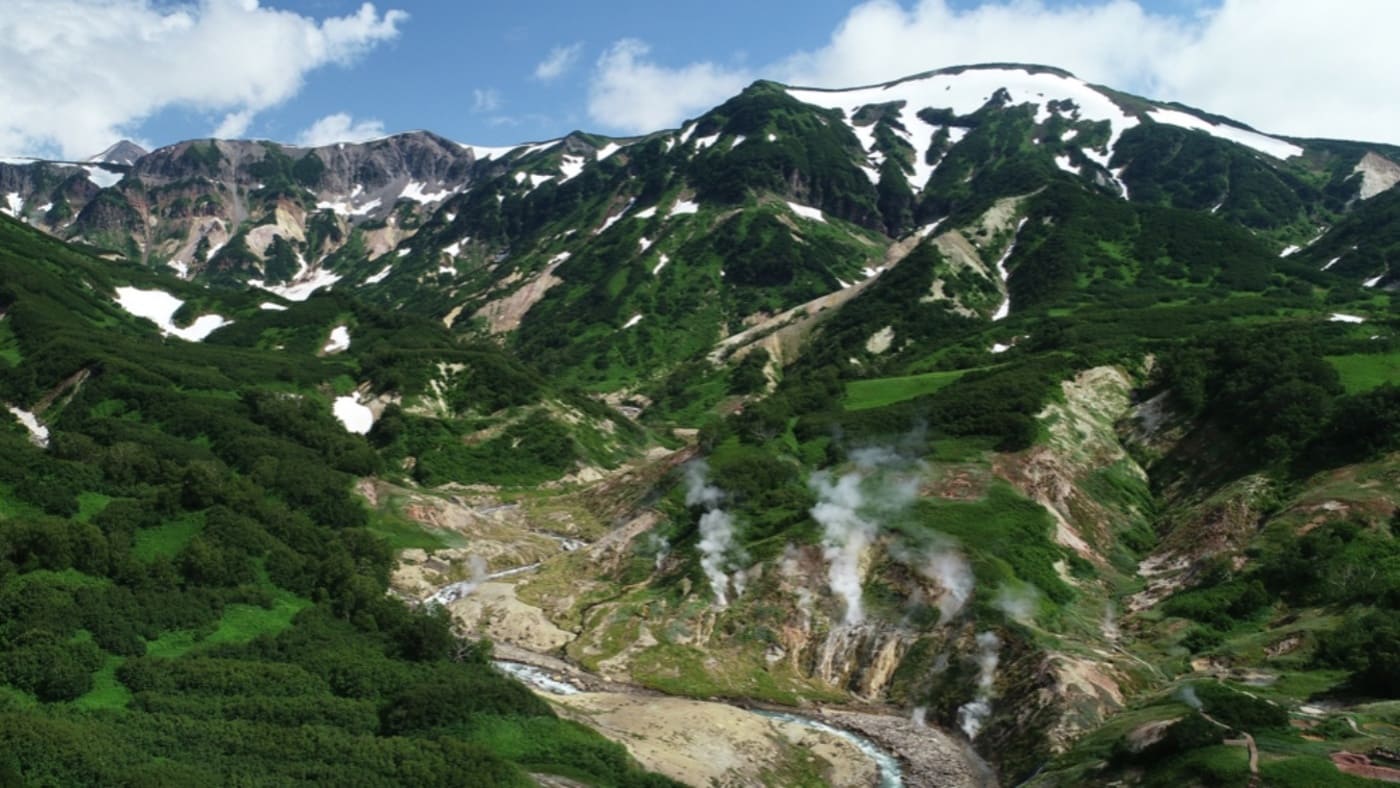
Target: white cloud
233 126
486 100
1296 67
77 74
340 127
558 62
631 93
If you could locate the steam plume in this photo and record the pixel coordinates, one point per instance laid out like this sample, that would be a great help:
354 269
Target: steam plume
973 714
716 530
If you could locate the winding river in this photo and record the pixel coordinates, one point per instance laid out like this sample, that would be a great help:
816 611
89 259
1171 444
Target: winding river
891 775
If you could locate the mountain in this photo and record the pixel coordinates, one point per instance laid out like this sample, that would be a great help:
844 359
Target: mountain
124 152
1008 427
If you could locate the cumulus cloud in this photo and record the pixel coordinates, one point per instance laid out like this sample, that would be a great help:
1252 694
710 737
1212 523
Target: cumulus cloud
77 74
340 127
1294 67
558 62
631 92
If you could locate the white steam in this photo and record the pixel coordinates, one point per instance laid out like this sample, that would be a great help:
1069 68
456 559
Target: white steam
717 543
849 511
951 570
845 537
973 714
1019 602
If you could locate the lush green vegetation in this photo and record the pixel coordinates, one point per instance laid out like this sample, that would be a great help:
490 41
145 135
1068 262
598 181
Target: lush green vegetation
189 592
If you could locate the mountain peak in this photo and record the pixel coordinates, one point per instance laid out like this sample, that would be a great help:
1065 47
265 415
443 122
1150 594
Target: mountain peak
124 152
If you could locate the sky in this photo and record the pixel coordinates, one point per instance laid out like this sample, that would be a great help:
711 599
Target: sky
77 75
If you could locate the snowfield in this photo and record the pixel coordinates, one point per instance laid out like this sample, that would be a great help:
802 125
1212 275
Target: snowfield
353 415
339 341
160 307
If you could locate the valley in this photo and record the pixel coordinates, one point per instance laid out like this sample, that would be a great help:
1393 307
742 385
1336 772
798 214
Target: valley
985 426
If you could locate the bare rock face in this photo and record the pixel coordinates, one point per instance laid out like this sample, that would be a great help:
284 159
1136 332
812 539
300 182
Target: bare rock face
181 204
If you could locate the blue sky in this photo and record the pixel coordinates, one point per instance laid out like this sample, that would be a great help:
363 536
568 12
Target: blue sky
77 74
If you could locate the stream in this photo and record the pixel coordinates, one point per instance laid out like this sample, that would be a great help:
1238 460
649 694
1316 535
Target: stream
891 775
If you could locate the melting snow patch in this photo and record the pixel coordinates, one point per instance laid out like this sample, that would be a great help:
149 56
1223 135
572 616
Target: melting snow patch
1005 308
683 207
686 132
660 265
482 152
739 140
105 179
632 321
1063 163
1000 348
379 277
559 258
13 204
1338 317
647 214
608 150
1289 250
772 137
1252 139
302 289
807 212
353 415
611 220
181 269
536 181
159 307
345 208
1331 263
702 143
38 433
414 191
339 341
1372 282
570 167
268 306
455 248
405 252
645 243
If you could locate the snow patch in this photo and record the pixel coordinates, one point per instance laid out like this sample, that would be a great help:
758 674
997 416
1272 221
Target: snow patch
807 212
379 277
645 243
1331 263
415 191
38 433
1338 317
268 306
702 143
482 152
1250 139
1063 163
1373 281
1290 249
1005 308
1000 348
647 214
13 204
346 207
105 179
570 167
339 341
660 265
608 150
684 207
632 321
302 285
405 252
160 307
353 415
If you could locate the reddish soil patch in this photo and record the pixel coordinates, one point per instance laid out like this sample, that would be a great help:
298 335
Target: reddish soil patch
1361 766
